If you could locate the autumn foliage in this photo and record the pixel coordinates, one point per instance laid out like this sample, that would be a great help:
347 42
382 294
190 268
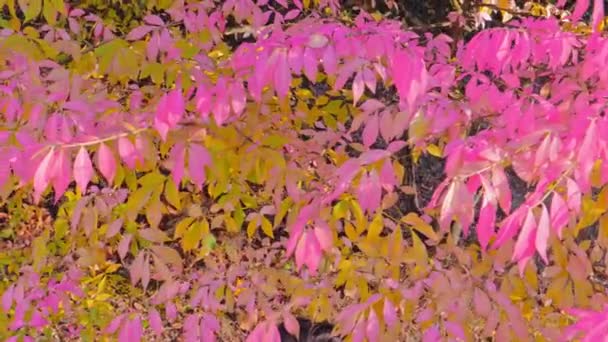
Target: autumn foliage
213 169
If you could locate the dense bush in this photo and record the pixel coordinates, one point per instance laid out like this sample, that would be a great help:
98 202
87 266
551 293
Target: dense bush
205 170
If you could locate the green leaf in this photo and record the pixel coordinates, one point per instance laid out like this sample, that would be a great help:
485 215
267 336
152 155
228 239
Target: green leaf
209 241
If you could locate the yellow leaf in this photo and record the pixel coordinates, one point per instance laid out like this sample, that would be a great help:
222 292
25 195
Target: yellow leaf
181 227
112 267
419 249
39 250
154 211
360 221
32 10
102 284
368 247
375 228
419 127
231 225
172 194
340 210
192 237
350 232
252 227
49 13
434 150
267 227
420 225
395 245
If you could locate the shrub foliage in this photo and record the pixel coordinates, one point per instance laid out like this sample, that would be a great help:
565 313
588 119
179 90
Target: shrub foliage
203 170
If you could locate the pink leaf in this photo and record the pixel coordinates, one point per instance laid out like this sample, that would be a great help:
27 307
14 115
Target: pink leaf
370 132
7 298
324 236
136 268
579 10
559 214
486 223
542 235
177 159
145 273
198 159
372 330
308 252
62 174
282 75
292 14
369 192
388 179
482 303
296 230
310 62
139 32
155 321
37 320
598 14
291 324
431 334
114 324
525 241
358 87
239 98
114 228
152 19
390 313
330 61
209 325
503 191
369 78
574 196
43 175
169 111
83 169
373 156
265 332
123 246
131 331
170 311
455 330
358 334
127 152
106 162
